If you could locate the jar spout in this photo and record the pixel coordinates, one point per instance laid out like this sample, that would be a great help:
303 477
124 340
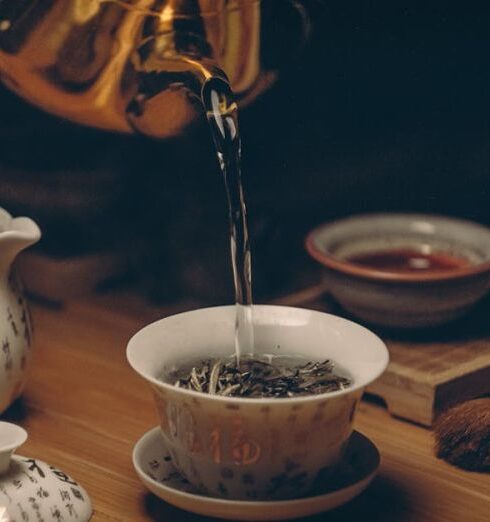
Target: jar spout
16 234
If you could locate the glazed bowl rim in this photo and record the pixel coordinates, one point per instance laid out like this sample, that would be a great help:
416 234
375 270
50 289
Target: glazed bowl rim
332 262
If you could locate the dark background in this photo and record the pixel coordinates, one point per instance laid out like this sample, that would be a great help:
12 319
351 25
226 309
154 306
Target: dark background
386 109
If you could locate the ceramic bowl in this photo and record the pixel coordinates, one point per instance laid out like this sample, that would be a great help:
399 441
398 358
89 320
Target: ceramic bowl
250 449
418 298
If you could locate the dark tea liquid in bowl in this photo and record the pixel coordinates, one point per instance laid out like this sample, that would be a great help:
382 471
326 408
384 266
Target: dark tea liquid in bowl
408 260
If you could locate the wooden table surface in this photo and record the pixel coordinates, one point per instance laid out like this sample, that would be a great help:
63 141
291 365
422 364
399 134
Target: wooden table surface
84 410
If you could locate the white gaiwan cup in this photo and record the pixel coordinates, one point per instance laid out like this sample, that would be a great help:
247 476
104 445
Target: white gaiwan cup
242 448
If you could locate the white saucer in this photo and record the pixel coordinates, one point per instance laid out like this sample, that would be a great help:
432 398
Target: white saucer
155 469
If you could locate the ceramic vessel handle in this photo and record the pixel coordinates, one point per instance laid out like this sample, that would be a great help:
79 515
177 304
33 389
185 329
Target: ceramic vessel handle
11 437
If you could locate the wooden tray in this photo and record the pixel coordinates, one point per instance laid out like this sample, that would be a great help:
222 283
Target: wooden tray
428 371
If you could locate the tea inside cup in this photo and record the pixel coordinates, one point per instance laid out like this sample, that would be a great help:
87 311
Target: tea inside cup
256 448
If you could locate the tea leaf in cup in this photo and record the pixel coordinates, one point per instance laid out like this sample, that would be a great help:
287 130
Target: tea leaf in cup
256 378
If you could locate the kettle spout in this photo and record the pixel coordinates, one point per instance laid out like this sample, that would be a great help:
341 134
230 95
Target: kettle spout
16 234
170 70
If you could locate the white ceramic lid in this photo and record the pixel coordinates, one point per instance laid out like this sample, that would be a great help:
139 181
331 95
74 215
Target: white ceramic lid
30 489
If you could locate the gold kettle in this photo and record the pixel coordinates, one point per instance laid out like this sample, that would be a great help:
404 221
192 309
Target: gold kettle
139 65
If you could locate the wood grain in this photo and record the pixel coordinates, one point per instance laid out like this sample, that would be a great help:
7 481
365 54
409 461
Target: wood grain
84 410
426 378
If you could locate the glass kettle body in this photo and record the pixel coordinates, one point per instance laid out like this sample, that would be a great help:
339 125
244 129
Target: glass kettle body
139 65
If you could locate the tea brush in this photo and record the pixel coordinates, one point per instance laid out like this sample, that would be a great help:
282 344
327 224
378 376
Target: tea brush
462 435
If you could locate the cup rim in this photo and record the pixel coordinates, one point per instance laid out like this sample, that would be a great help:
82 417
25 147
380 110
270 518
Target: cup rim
343 266
359 384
